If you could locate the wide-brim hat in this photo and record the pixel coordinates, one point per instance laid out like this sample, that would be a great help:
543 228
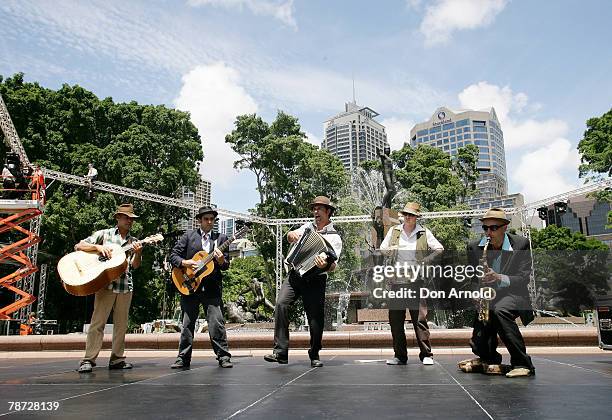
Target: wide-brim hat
411 208
497 214
323 201
206 210
127 209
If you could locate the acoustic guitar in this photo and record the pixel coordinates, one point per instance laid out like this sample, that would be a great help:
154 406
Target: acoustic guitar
84 273
188 280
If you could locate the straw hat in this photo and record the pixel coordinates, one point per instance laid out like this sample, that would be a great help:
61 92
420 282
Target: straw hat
497 214
411 208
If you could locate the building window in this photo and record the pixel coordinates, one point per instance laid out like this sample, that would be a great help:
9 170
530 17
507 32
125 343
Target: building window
480 129
480 136
439 135
445 134
448 126
435 129
452 132
460 138
476 123
467 136
462 123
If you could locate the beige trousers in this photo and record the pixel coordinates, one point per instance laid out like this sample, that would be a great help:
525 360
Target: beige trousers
105 301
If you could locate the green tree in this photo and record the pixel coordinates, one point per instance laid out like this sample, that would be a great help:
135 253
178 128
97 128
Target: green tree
596 154
146 147
464 166
596 146
439 183
290 172
238 277
575 268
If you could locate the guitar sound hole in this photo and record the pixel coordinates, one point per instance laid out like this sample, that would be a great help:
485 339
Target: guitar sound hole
102 258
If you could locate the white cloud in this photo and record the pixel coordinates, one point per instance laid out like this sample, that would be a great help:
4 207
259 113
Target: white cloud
446 16
540 160
398 131
214 96
312 89
540 172
311 138
281 10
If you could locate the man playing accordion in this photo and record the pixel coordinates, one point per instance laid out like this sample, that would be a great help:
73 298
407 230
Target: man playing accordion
310 285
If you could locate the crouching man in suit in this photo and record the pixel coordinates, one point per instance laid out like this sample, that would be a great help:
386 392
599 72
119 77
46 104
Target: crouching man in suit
508 272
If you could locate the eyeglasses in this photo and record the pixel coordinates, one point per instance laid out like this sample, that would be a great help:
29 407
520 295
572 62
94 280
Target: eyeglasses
493 228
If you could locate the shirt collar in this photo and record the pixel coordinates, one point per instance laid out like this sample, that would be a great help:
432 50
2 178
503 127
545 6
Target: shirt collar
327 228
117 233
418 228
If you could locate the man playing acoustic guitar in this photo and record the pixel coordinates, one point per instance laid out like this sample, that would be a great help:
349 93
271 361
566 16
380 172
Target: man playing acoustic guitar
116 297
209 291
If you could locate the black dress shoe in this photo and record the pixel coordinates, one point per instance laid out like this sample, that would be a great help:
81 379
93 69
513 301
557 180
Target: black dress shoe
225 363
179 364
121 365
316 363
274 358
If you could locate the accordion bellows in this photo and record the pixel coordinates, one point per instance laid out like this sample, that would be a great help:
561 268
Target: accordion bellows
301 257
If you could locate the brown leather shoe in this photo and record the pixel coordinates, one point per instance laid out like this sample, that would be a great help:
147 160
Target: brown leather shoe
519 372
471 365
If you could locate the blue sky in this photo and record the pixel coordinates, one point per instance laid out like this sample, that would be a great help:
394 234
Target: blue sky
544 65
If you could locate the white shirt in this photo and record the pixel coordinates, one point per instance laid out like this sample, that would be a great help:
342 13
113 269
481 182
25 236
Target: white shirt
328 232
408 242
205 240
7 173
92 172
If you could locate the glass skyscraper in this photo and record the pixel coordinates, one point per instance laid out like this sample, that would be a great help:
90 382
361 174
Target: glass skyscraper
449 130
354 136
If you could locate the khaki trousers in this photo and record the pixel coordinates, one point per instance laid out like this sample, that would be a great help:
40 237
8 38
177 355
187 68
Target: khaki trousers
105 301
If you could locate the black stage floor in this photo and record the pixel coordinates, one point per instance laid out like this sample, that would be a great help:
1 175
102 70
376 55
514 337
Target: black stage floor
565 387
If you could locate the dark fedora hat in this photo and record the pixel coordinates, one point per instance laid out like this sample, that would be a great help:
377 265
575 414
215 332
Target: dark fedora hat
127 209
206 210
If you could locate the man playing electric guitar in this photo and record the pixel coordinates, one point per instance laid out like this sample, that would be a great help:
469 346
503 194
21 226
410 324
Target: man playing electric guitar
116 297
209 293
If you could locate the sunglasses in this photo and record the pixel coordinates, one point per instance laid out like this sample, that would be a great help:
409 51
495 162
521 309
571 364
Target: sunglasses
493 228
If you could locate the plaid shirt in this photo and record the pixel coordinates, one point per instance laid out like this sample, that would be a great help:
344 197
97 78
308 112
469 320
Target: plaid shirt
112 236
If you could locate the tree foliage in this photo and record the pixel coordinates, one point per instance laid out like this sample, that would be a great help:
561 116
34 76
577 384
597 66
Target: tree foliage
596 146
146 147
290 172
575 268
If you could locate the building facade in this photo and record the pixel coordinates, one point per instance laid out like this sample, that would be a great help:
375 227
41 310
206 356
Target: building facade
450 130
582 214
200 197
354 136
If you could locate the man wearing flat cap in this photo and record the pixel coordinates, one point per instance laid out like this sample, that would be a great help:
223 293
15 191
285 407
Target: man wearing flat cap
410 240
310 286
116 297
208 294
509 270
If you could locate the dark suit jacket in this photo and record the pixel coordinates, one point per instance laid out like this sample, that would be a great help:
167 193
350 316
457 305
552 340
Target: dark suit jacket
516 264
191 243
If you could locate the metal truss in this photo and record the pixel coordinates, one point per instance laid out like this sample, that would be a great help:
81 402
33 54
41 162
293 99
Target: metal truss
32 254
10 134
42 292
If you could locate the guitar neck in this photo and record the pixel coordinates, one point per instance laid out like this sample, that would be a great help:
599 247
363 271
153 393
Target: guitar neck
225 245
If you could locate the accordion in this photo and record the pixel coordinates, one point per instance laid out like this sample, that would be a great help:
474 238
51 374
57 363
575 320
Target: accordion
301 257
